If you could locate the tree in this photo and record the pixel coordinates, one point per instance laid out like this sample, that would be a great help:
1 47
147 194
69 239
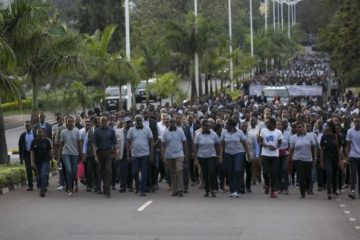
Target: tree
167 86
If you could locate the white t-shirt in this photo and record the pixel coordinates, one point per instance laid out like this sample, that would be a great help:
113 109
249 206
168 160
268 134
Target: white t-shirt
353 136
270 138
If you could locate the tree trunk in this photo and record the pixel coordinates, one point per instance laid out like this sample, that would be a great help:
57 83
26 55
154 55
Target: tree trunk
147 93
35 103
193 90
207 84
221 84
3 146
200 86
211 86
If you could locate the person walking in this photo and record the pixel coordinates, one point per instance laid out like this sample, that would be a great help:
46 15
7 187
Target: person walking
140 145
207 152
105 147
303 150
173 150
41 154
70 149
44 125
283 168
235 146
329 157
353 153
270 141
25 141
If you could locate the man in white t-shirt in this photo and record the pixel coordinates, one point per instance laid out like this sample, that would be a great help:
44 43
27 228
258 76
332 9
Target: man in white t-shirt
270 141
353 153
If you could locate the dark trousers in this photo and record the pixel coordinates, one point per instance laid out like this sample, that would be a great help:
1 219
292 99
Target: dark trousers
248 176
140 164
321 176
304 174
354 172
332 175
235 168
105 164
115 172
186 173
283 173
208 166
43 172
92 173
270 166
152 174
193 169
221 174
28 168
123 174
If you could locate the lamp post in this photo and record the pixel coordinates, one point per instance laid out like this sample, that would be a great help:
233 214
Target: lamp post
197 80
231 49
128 56
251 29
274 13
266 15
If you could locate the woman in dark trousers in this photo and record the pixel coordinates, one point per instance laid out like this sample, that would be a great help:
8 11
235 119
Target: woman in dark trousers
329 157
303 150
41 155
207 152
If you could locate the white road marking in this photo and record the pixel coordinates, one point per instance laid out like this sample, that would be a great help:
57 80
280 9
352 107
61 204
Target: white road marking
342 205
352 219
347 212
357 227
145 205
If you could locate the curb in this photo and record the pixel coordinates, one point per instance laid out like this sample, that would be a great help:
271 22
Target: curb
20 185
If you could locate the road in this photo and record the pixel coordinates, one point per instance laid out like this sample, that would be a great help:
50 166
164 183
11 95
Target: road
254 216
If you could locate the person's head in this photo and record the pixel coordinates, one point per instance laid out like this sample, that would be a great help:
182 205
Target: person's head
42 118
172 124
28 126
77 119
59 120
270 124
70 122
253 121
96 122
244 127
104 121
164 116
178 119
300 128
87 124
146 114
330 128
40 133
279 125
231 124
285 123
205 126
190 119
138 122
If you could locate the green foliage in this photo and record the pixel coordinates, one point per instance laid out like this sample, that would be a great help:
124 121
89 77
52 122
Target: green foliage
167 86
13 106
11 175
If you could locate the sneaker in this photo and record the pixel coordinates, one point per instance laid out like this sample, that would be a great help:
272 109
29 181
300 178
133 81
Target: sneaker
29 189
233 194
174 194
213 194
180 194
42 193
70 194
143 194
206 194
237 195
60 188
352 195
273 195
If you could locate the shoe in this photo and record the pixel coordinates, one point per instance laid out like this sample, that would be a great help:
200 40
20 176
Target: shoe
267 190
233 194
302 196
70 194
29 189
352 195
206 194
310 192
249 190
42 193
329 197
113 188
122 190
213 194
88 189
242 191
136 191
143 194
286 192
319 189
186 191
76 189
174 194
273 195
107 196
237 195
180 194
60 188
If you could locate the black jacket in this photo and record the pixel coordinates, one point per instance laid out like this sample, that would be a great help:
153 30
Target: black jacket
48 129
22 144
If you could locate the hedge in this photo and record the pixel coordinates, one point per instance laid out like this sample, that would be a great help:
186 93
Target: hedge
12 175
15 106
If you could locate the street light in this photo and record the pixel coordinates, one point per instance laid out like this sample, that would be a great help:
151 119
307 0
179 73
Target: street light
197 80
231 49
128 56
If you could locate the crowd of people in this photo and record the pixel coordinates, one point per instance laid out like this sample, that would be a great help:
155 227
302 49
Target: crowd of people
218 145
306 69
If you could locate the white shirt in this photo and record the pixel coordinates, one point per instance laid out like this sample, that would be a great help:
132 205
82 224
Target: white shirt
270 138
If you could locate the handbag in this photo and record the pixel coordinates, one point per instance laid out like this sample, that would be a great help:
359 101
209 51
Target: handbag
80 171
342 161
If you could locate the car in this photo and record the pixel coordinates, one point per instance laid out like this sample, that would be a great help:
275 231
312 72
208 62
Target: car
113 101
140 91
271 92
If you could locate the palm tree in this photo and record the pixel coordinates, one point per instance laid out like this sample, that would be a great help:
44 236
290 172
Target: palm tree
41 45
8 89
193 36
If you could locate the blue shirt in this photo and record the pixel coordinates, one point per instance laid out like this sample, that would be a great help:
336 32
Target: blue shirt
139 141
173 142
104 138
232 140
29 137
206 144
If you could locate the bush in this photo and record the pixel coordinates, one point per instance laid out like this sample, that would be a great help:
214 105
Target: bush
11 175
15 106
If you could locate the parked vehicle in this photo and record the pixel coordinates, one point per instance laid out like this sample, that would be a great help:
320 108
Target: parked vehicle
272 92
140 91
113 100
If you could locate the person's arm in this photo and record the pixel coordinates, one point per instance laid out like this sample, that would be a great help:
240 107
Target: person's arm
256 148
348 149
291 153
314 152
113 142
321 157
128 145
21 146
50 151
247 151
218 151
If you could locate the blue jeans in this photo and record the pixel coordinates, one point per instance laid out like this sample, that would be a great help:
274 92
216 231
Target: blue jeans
71 165
235 168
140 164
42 171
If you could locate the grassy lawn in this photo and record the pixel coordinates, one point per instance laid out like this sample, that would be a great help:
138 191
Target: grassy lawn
18 112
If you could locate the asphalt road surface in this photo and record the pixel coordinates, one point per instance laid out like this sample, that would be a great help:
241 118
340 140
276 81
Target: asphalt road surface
24 215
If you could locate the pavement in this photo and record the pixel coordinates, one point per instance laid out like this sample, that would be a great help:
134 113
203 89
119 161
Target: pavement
161 217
